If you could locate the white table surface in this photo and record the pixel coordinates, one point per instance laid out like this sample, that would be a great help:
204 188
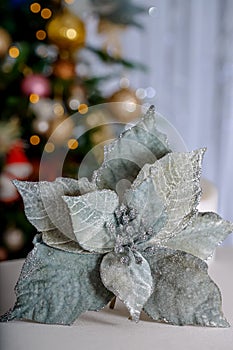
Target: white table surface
111 329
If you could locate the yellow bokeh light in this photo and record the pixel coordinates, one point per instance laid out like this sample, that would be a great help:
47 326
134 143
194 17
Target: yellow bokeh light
72 144
34 98
35 7
83 108
46 13
14 52
34 140
49 147
69 2
41 34
58 109
71 33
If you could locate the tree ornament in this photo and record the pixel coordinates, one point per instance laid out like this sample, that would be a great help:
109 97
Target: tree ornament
78 92
17 163
8 194
13 239
5 41
67 31
112 37
3 253
36 84
60 130
16 166
124 105
64 69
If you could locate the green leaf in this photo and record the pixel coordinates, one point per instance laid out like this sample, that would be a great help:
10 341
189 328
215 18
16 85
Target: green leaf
56 287
44 206
128 276
137 146
89 214
183 294
202 236
151 211
176 178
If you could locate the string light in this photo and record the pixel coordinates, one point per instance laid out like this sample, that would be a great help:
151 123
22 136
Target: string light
72 144
58 109
41 34
35 7
14 52
71 33
34 98
46 13
34 140
49 147
152 11
83 108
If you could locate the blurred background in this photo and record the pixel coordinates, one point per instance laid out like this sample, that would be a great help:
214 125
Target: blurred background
61 57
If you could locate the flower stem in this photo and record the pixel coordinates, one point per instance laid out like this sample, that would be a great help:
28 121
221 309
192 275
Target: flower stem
112 303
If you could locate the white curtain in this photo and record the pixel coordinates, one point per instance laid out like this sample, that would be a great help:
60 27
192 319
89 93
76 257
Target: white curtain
188 47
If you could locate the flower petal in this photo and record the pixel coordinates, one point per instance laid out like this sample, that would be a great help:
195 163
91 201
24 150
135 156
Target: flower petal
183 294
202 236
56 239
151 211
124 158
56 287
44 206
177 180
128 276
89 214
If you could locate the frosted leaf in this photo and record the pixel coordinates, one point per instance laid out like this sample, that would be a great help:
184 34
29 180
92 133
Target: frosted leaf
124 158
177 181
128 276
44 206
150 209
183 293
56 239
56 287
202 236
89 214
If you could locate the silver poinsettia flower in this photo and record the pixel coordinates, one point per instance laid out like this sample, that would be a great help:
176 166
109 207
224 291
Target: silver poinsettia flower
146 244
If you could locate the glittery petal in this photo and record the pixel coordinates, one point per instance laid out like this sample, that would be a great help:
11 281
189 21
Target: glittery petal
56 287
124 158
44 206
128 276
89 214
183 293
203 235
151 211
177 180
56 239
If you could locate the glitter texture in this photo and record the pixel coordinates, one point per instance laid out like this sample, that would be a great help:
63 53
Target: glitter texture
147 245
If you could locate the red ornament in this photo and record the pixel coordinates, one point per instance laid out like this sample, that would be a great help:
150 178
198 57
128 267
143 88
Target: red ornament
36 84
17 163
17 167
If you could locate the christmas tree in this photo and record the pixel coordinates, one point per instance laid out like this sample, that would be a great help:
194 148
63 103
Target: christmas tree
46 75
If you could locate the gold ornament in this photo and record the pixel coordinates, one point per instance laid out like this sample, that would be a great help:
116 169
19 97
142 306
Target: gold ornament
112 33
67 31
124 105
64 69
5 41
61 130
